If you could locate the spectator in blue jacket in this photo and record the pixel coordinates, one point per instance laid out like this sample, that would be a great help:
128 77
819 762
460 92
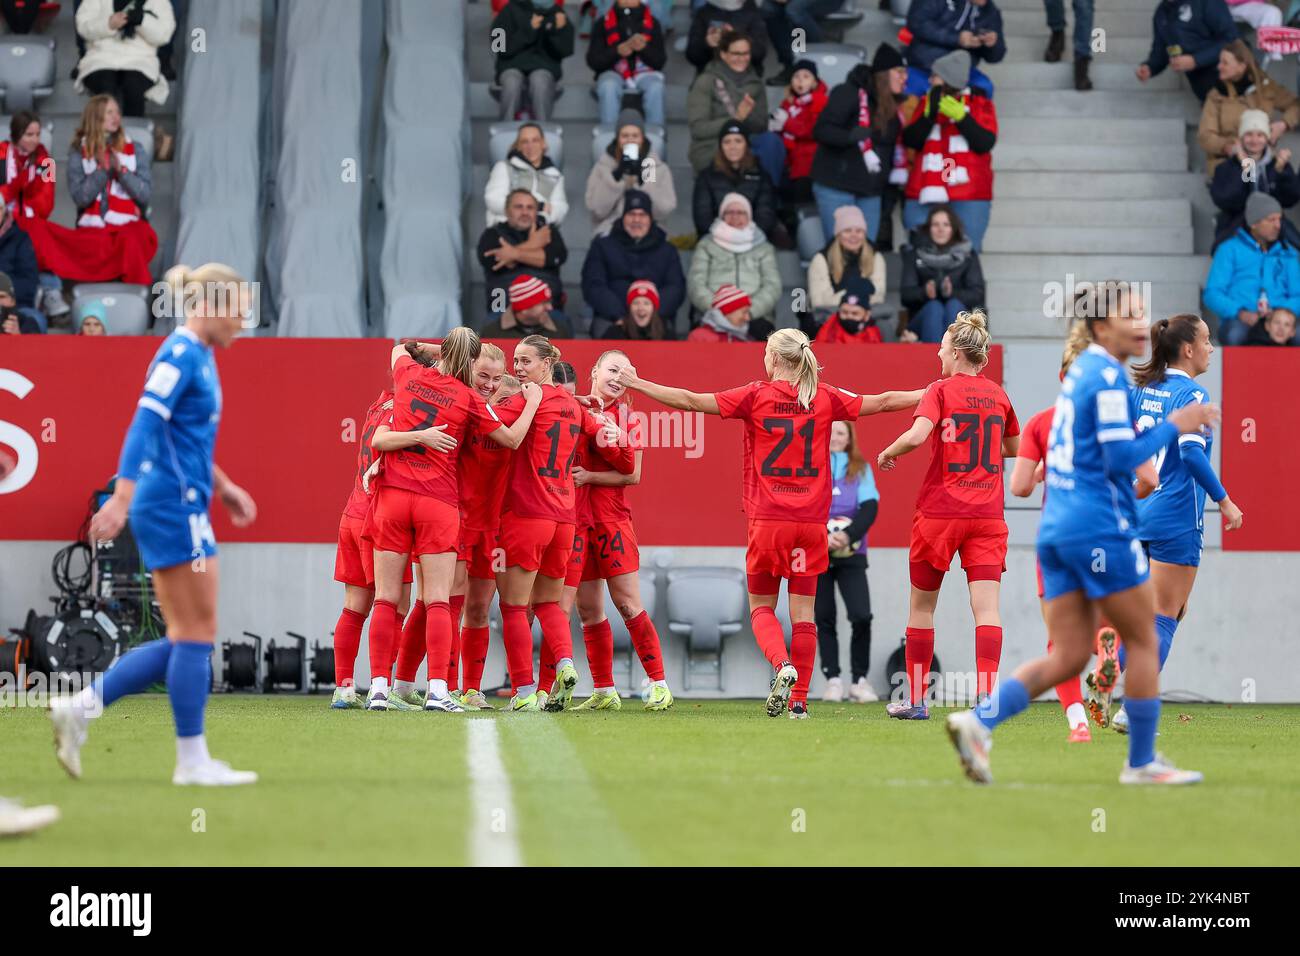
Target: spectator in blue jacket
634 249
1187 36
1253 273
940 26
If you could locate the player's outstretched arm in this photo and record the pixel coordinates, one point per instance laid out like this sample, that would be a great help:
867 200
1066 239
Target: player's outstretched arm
512 436
681 398
890 402
910 440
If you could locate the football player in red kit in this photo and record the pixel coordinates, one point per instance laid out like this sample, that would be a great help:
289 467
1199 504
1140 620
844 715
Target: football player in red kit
970 426
605 550
417 505
787 492
537 526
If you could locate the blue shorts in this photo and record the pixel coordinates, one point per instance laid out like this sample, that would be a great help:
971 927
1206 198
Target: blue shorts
1184 549
171 534
1098 566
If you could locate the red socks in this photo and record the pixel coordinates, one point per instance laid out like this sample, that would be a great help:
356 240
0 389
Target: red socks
646 641
546 668
803 655
919 652
383 635
988 652
518 638
347 639
437 639
599 639
410 650
768 634
456 604
474 648
1068 691
555 629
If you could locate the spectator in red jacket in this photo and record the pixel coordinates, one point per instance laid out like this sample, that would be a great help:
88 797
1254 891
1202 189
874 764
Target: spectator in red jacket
729 320
628 54
852 322
28 176
794 119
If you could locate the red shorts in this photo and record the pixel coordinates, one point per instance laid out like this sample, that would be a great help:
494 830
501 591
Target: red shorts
981 542
409 522
479 550
537 544
604 551
354 560
786 549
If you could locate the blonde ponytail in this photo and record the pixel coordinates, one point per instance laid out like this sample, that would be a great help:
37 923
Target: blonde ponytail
970 336
1076 342
793 349
214 285
459 350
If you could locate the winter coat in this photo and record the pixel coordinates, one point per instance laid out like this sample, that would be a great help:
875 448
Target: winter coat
494 279
707 115
754 272
603 56
29 191
837 162
107 49
113 200
527 49
714 328
615 261
605 189
1241 269
936 24
800 117
18 262
747 20
1230 190
712 186
825 293
953 161
1221 114
966 274
1202 32
514 172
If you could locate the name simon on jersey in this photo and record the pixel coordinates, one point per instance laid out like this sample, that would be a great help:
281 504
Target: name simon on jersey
977 401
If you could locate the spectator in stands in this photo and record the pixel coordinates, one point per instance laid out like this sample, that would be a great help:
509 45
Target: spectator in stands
939 27
794 119
17 262
536 36
847 256
858 154
852 321
628 54
1278 328
1083 11
593 10
520 246
634 249
734 169
953 130
783 18
527 166
711 21
1187 36
735 252
941 276
729 319
629 163
1254 167
1253 272
530 313
26 321
28 184
121 58
728 90
642 320
94 319
1242 86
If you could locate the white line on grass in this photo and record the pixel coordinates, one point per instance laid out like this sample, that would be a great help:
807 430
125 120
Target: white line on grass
493 839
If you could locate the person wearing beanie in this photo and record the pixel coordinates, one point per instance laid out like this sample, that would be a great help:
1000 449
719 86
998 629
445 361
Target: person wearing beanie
846 256
1242 85
1256 166
940 27
520 245
627 163
93 318
1253 272
729 319
635 249
794 119
642 320
782 18
627 54
530 313
735 252
1187 37
528 64
858 156
852 322
735 169
730 90
714 19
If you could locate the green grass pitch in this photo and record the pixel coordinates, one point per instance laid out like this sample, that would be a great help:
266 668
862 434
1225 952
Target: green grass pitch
711 782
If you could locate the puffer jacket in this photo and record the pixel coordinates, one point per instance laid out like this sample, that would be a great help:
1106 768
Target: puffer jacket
1221 115
754 272
801 114
605 192
707 115
838 163
712 186
1241 269
954 161
546 183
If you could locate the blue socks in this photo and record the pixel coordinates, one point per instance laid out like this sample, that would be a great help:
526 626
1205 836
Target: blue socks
1165 627
1143 716
135 670
189 675
1008 699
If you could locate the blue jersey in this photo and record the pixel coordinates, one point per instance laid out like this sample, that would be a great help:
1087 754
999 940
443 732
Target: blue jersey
182 388
1092 409
1178 503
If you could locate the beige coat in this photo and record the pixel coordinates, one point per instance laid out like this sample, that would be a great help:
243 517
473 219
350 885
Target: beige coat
821 292
605 193
1221 115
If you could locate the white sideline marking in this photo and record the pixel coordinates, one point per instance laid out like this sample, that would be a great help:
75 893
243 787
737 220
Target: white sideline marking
489 795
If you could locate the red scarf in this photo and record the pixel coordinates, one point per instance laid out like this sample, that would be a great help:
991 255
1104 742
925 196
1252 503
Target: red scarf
121 207
864 120
625 66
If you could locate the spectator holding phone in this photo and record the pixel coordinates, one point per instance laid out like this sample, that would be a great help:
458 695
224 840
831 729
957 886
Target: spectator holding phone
121 59
1187 37
629 163
939 27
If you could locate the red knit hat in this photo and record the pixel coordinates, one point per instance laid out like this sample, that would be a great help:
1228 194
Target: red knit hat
527 291
728 299
643 288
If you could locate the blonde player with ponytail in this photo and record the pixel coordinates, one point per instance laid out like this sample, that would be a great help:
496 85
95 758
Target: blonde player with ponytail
787 491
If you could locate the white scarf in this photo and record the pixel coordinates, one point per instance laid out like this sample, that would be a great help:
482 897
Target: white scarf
735 240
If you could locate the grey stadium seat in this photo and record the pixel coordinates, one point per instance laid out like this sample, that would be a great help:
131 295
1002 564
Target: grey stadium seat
127 306
140 132
26 70
502 135
845 18
835 61
705 605
47 132
601 135
809 238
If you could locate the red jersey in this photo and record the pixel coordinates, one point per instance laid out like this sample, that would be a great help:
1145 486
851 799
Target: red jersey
787 472
484 470
358 501
425 397
971 415
541 479
606 504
